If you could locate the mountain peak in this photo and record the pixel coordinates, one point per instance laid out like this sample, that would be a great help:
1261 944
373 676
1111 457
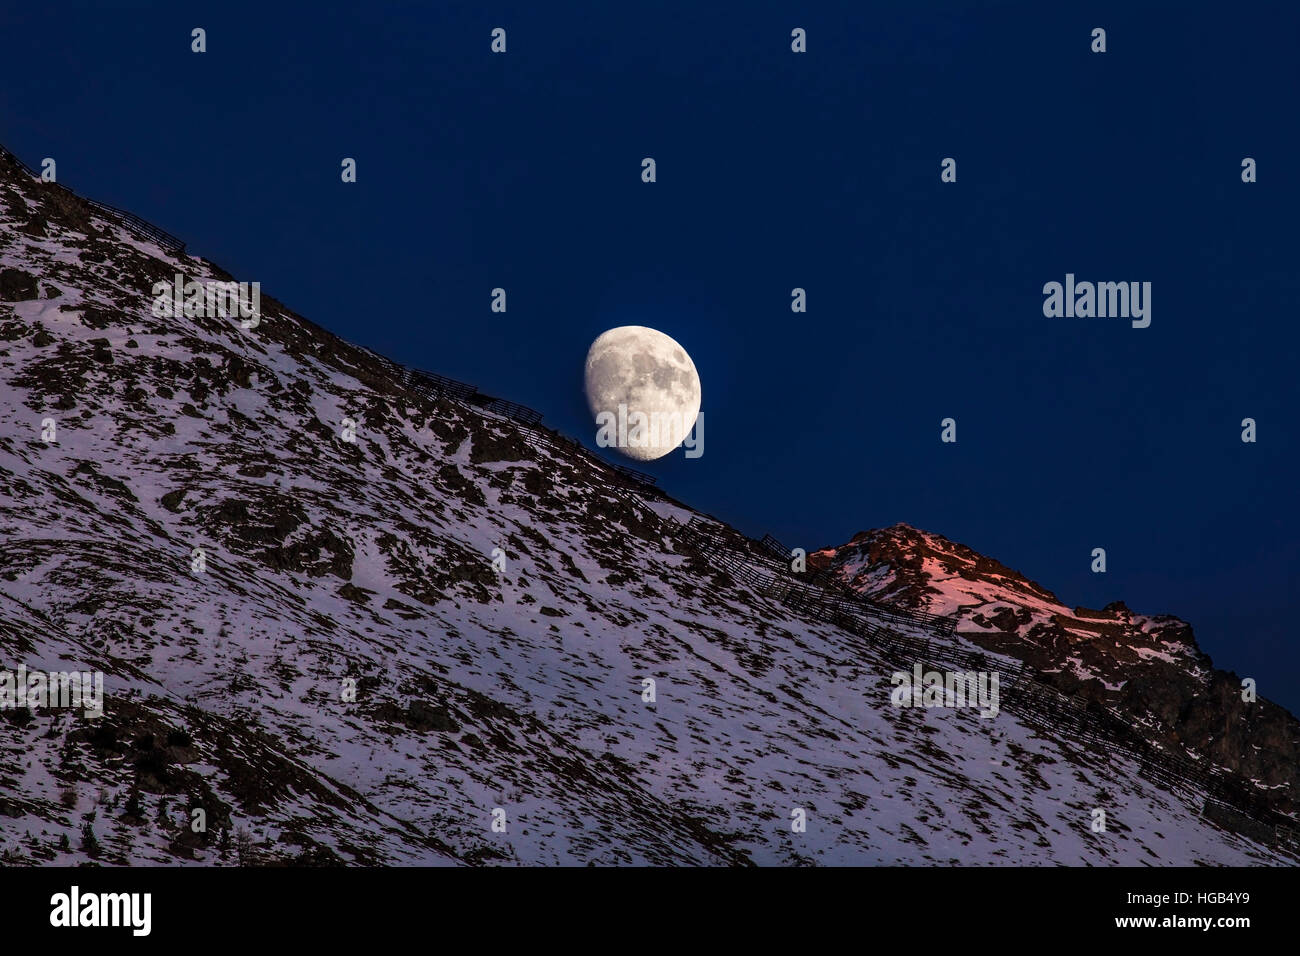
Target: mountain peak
1148 665
924 570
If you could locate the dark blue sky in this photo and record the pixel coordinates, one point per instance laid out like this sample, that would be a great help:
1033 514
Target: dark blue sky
775 171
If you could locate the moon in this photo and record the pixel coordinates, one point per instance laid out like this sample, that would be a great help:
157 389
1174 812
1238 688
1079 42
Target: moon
648 372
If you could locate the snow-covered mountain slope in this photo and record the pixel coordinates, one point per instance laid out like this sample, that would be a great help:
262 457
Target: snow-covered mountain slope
484 694
1148 666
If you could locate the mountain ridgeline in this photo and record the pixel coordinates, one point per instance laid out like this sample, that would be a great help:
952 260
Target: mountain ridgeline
350 613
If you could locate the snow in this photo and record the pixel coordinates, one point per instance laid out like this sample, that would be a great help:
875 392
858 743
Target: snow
757 711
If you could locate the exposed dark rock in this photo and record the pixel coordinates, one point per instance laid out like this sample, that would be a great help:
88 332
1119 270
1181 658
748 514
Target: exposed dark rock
16 285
